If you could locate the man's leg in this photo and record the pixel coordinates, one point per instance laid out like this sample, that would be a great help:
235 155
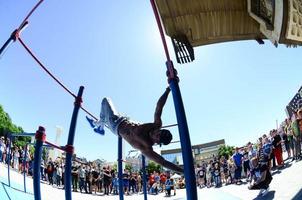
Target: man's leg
109 116
108 113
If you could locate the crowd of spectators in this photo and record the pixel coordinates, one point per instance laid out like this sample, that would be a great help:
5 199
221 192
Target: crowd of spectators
254 162
246 164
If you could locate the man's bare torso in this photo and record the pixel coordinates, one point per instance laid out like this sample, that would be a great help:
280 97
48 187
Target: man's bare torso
137 135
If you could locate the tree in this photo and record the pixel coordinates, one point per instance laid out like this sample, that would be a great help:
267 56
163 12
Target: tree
114 167
128 167
226 151
7 126
152 166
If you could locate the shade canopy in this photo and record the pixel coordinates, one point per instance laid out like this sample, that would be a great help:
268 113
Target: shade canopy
208 21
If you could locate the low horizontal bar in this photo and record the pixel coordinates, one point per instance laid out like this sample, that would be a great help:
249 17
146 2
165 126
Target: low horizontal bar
167 126
22 134
55 146
44 145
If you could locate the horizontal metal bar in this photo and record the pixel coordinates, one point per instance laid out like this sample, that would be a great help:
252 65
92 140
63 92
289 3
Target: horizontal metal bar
55 146
22 134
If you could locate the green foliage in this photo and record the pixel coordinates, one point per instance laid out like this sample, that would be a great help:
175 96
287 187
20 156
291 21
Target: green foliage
226 151
152 166
31 150
128 167
114 167
45 153
7 126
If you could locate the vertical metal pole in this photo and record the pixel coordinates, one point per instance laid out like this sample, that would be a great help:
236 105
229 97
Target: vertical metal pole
190 179
40 138
191 189
8 159
6 45
144 177
68 161
24 166
13 37
120 167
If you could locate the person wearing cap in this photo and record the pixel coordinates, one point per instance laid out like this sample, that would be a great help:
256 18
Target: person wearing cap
140 136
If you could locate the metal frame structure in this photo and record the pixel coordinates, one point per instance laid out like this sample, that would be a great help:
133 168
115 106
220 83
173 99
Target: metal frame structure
11 136
189 172
179 108
120 170
41 138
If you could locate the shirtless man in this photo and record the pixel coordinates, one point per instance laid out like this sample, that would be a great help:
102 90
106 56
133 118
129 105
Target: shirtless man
139 136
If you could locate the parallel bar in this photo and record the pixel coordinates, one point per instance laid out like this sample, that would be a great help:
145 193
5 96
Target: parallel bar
8 159
55 146
44 145
120 167
144 177
171 125
68 162
189 172
24 166
23 134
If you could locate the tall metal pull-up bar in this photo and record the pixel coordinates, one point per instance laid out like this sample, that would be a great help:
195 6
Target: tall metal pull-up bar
189 172
120 170
41 138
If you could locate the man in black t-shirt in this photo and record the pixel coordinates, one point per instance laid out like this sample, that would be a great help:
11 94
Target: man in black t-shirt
95 177
107 179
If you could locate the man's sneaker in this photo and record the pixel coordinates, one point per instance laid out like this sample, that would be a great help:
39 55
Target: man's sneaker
100 130
91 122
98 126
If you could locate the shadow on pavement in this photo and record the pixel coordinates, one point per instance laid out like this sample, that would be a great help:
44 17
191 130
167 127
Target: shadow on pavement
276 172
298 195
286 165
3 185
268 196
6 185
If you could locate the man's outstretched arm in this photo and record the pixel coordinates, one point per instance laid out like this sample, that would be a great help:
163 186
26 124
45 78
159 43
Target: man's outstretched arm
160 160
159 107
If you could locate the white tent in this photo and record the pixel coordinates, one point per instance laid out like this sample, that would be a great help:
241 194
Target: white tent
176 176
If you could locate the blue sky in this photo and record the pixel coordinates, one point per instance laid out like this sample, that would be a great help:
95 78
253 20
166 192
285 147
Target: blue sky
234 91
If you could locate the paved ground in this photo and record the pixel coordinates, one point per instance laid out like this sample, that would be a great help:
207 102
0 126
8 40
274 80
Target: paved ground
286 184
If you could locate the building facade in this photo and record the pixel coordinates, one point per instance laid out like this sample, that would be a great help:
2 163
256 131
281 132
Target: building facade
201 152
